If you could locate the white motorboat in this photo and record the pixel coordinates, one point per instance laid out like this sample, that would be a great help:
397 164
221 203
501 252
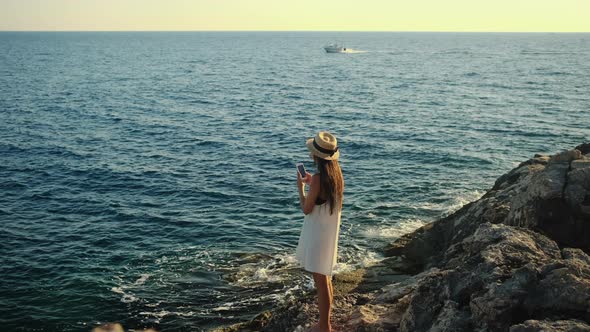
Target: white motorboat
335 48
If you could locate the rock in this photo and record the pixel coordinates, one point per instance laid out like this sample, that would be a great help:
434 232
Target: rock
563 289
500 275
347 281
376 317
501 304
566 156
577 196
426 302
574 254
554 326
584 148
415 248
498 261
581 163
500 245
109 327
366 316
395 291
451 319
371 318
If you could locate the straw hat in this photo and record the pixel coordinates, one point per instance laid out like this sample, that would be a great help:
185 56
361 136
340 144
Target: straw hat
324 145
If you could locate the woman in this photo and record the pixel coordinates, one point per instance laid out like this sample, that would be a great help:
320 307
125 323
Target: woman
318 243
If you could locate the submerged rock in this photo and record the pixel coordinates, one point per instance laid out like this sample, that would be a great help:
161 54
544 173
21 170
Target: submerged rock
109 327
116 327
516 259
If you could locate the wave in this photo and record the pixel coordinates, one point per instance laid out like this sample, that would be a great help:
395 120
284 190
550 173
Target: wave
353 51
548 52
126 297
395 231
447 207
555 73
388 231
262 268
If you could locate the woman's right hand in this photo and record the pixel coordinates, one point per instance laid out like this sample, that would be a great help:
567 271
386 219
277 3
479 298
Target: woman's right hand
300 182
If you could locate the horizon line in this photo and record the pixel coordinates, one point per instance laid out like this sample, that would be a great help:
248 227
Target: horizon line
412 31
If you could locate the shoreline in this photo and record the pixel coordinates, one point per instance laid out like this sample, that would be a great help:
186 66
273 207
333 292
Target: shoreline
515 259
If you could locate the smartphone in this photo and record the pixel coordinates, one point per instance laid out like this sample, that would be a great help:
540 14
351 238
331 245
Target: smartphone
301 169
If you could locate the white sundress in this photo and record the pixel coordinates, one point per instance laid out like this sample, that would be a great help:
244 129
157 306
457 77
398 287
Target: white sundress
318 243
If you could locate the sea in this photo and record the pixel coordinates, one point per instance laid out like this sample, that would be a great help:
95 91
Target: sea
149 178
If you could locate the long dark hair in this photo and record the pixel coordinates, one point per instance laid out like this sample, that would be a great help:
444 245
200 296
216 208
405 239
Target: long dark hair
331 182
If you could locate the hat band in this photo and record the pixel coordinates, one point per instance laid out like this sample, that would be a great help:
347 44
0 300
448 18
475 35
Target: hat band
322 150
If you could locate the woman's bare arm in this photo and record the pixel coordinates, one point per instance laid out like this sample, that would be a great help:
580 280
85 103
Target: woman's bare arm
307 202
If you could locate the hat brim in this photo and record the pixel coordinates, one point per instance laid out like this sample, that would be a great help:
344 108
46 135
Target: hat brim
318 154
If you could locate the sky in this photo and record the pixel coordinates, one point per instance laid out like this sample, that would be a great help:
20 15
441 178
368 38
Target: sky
304 15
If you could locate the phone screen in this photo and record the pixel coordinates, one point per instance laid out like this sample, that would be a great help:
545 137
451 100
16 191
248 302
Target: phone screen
301 169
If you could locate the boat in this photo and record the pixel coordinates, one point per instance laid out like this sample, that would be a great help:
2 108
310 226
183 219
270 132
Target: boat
335 48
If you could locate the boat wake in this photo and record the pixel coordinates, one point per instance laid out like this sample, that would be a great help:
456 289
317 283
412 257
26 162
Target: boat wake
349 50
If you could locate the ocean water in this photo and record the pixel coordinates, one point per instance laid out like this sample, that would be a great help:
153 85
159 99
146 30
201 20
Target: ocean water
149 178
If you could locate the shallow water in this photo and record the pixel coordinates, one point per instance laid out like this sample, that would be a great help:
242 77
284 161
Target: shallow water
149 178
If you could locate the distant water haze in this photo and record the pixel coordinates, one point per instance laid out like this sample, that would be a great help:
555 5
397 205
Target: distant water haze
149 178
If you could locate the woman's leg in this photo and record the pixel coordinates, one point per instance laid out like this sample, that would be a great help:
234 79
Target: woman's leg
331 289
324 300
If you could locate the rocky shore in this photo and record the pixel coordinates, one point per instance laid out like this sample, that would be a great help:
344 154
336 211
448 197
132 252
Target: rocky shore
514 260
